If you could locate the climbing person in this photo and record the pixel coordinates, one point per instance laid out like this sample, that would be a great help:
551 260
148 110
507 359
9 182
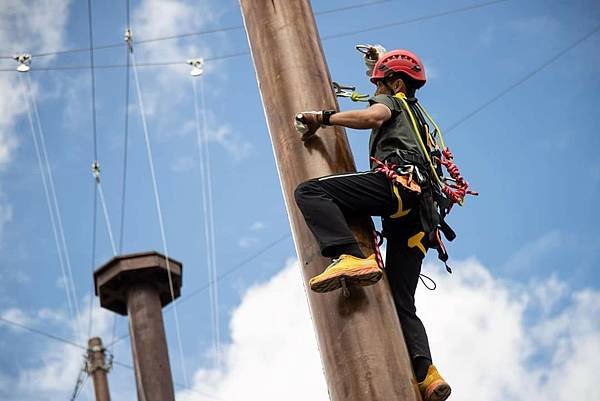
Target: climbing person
403 187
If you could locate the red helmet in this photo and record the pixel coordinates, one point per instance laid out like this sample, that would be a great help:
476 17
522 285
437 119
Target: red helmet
399 61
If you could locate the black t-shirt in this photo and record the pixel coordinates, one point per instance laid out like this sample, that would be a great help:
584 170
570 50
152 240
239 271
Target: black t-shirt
396 134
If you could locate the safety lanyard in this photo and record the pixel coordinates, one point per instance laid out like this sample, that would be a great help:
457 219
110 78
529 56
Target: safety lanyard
402 97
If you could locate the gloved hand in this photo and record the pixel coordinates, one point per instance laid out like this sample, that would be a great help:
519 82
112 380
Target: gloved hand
371 56
307 123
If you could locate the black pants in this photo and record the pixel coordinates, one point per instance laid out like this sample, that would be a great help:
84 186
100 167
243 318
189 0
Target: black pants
326 203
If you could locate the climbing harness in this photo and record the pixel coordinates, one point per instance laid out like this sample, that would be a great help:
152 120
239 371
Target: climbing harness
459 188
377 242
349 92
452 189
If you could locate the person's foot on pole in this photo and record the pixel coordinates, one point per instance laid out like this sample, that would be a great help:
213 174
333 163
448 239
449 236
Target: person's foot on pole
434 387
355 271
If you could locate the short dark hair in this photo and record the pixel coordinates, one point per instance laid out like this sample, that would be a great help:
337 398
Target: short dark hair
411 84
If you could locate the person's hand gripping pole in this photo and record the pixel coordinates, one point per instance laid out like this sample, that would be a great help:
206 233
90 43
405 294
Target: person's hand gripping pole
308 122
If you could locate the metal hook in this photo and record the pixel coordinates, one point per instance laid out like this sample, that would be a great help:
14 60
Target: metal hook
364 49
342 91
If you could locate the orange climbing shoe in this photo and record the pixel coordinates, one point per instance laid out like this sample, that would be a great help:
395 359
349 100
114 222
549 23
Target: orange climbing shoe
355 271
434 387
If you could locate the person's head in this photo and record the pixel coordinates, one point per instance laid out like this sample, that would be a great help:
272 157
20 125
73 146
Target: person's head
398 71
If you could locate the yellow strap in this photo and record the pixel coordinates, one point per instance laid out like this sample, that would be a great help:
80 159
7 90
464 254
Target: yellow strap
402 97
416 241
400 212
439 131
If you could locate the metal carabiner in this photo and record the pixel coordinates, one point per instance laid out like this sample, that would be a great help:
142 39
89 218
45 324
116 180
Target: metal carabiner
342 91
364 49
349 92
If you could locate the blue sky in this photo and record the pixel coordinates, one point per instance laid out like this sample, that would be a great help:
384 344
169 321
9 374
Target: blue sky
530 153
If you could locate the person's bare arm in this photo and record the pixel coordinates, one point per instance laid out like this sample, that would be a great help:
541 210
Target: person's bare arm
371 117
308 122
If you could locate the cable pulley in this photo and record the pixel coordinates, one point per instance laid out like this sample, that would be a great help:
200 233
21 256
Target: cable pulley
24 61
197 66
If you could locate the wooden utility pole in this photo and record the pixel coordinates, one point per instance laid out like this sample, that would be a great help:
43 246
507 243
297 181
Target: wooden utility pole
139 285
97 366
360 340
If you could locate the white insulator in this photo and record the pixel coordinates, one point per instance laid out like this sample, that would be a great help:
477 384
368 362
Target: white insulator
197 66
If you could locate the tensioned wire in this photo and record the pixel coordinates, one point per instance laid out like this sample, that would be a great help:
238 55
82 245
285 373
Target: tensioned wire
98 191
211 216
223 275
125 159
52 199
106 218
80 385
188 34
159 212
26 95
207 207
84 348
50 194
245 53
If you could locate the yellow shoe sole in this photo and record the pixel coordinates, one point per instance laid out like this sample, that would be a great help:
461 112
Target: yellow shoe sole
437 391
356 277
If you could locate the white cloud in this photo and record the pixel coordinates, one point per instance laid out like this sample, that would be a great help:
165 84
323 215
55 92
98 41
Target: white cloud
54 371
31 26
258 226
524 258
6 214
167 91
15 315
273 351
492 339
184 163
168 88
248 242
237 148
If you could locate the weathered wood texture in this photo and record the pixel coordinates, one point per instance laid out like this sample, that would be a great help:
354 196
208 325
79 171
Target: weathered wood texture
360 341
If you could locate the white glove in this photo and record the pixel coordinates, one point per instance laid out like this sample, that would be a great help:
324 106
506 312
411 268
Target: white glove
307 123
371 57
